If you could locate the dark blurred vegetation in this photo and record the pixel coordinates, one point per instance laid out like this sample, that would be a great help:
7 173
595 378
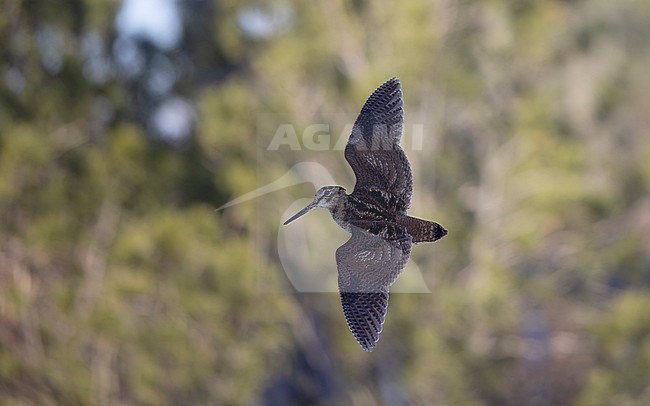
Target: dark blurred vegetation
119 283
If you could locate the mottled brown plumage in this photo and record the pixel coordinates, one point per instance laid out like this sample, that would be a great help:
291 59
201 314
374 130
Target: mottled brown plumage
374 213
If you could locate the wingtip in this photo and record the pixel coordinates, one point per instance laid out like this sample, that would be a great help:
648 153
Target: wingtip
366 344
364 315
392 85
367 349
387 98
394 82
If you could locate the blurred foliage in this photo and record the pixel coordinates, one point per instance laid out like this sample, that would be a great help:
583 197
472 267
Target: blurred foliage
120 284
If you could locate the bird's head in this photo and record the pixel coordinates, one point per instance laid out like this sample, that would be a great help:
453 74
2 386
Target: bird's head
325 197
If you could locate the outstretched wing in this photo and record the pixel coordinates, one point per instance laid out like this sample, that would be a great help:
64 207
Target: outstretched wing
382 170
367 266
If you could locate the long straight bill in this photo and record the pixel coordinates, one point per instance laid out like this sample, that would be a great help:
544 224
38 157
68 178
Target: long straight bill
301 213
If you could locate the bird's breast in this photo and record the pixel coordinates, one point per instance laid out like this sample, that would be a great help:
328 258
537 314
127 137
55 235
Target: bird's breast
367 210
356 214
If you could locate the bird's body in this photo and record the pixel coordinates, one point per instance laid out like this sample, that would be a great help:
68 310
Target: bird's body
374 213
349 212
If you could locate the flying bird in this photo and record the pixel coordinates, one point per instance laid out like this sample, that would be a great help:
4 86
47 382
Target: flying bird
374 213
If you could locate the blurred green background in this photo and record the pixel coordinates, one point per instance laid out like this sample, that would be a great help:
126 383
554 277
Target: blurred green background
123 125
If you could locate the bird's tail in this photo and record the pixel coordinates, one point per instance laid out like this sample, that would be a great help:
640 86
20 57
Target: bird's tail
422 230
